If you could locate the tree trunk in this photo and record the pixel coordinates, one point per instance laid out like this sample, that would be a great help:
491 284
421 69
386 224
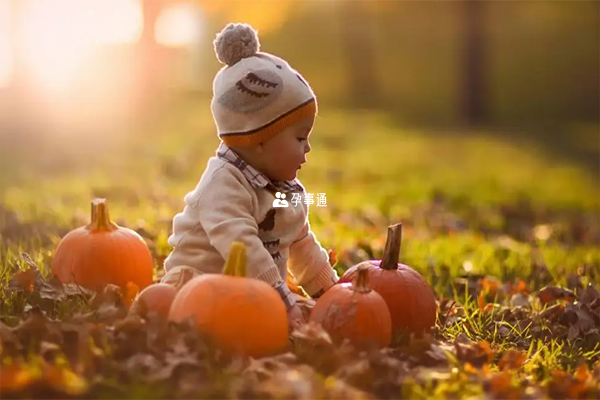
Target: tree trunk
362 85
149 59
474 89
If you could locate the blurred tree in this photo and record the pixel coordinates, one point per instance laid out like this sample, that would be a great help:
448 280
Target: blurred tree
356 22
474 90
263 15
149 53
157 61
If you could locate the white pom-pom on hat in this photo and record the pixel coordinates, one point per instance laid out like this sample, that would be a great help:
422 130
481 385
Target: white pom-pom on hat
236 41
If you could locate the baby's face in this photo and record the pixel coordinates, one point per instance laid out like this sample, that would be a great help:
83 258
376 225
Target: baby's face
283 155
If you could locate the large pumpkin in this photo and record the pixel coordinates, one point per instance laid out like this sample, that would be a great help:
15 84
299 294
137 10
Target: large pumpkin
242 315
103 252
354 311
409 297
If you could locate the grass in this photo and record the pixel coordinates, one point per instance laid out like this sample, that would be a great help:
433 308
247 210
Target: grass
470 204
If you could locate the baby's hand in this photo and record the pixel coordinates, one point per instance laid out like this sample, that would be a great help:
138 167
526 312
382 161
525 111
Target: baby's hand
295 317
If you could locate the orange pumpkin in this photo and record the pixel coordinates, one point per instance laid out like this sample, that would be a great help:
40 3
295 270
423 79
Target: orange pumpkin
354 311
409 297
159 296
102 253
242 315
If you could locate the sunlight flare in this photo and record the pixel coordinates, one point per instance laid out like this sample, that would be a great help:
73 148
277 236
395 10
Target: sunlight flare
57 37
6 61
179 25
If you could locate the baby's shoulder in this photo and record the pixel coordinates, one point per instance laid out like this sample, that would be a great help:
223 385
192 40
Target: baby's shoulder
219 176
219 172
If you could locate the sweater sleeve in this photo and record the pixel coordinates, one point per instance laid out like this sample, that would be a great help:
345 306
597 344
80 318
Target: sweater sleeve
225 212
309 263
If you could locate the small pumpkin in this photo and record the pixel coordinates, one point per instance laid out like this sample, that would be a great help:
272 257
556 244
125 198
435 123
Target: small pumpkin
409 297
103 253
356 312
158 297
242 315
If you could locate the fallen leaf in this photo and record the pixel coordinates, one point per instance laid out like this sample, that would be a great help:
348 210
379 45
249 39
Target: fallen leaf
142 364
63 380
589 295
36 328
110 294
107 306
476 353
73 289
481 302
512 359
553 293
522 287
500 385
583 373
563 386
519 300
51 290
23 280
573 333
338 389
577 315
313 346
425 351
16 377
490 286
552 311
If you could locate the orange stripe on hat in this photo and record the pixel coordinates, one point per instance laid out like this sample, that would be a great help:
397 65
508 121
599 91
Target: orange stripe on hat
266 132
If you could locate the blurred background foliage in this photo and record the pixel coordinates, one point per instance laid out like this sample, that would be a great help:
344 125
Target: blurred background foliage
469 121
77 77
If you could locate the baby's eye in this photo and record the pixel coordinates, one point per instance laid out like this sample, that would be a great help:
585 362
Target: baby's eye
300 139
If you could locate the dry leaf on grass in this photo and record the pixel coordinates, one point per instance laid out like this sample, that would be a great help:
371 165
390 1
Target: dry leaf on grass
553 293
476 353
512 359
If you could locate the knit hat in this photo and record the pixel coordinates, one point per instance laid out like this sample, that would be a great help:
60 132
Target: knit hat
256 95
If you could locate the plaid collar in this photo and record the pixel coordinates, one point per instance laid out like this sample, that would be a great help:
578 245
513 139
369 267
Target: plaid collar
256 178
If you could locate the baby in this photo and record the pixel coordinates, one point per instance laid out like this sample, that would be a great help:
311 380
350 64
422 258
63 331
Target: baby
264 112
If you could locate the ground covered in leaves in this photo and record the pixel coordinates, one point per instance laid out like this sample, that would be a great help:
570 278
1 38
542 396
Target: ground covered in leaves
508 240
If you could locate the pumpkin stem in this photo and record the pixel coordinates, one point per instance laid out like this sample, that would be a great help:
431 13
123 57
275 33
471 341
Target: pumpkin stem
100 220
92 215
236 261
391 252
360 283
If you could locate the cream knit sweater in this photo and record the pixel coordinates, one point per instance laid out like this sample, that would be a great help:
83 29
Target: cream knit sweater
225 207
